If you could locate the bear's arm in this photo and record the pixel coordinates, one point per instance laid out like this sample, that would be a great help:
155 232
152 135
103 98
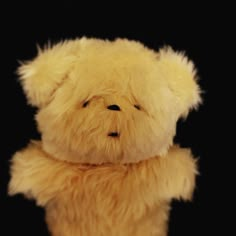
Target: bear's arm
36 175
175 174
167 177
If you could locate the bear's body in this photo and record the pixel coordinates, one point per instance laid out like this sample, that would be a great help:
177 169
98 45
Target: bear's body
116 200
107 112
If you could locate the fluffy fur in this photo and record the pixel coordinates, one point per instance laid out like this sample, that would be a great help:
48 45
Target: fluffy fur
92 183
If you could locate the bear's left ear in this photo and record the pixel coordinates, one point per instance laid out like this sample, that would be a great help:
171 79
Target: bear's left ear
42 76
180 75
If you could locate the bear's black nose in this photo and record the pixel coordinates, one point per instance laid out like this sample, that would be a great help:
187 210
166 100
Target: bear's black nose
114 107
114 134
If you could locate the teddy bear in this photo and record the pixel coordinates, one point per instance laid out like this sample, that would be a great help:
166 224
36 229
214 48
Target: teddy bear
106 164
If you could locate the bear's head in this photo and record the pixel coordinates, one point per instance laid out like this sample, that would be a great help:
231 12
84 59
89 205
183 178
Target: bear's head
108 102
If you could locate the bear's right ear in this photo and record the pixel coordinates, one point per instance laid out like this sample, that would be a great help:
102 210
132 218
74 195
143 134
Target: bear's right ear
180 75
42 76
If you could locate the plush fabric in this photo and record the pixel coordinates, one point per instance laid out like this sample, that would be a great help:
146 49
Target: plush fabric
107 112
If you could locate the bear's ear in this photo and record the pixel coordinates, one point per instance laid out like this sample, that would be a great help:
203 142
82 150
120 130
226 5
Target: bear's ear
43 75
180 75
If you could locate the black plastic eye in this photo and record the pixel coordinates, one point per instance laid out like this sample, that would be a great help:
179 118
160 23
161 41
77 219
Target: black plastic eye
137 107
86 104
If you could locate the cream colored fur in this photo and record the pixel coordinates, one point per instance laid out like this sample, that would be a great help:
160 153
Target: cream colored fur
91 183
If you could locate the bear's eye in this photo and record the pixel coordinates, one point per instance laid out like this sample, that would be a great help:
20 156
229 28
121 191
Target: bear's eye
137 107
85 104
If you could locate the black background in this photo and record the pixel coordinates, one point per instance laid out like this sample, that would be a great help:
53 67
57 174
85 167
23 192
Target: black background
200 31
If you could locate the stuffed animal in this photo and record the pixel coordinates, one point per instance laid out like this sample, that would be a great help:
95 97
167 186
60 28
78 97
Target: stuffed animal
107 112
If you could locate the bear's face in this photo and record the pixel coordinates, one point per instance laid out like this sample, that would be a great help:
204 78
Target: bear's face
102 101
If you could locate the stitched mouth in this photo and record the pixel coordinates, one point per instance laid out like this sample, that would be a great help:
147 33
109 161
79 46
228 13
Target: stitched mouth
113 134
